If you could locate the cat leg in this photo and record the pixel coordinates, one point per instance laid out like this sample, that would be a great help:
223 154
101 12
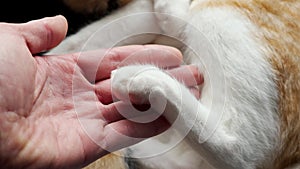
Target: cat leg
166 151
171 18
171 15
149 84
121 27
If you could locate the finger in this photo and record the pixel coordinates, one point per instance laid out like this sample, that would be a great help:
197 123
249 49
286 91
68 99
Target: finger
44 34
125 133
161 56
188 75
196 92
111 113
103 91
97 65
119 111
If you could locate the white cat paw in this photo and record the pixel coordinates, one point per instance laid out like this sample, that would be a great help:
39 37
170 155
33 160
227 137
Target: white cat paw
142 84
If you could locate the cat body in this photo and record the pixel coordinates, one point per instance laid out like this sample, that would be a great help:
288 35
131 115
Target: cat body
248 116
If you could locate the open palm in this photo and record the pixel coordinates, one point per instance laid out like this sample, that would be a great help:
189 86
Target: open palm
57 111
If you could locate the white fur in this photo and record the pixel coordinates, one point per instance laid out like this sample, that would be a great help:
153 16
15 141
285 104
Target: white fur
99 35
239 89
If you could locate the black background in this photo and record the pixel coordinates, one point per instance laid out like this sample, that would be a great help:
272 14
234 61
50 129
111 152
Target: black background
18 11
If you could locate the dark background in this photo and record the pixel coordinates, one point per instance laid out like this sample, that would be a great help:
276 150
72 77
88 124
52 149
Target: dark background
18 11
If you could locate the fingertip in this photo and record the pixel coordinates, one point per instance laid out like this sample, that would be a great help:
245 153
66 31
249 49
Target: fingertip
197 74
174 51
58 26
196 92
44 34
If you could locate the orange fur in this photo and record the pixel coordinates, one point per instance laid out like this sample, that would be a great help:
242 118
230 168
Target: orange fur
110 161
279 22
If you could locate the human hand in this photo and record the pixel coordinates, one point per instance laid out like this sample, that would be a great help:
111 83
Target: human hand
56 110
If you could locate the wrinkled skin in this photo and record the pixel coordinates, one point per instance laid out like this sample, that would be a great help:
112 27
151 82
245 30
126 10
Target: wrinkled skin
55 111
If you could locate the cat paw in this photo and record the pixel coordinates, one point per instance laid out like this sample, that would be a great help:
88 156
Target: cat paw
136 83
142 84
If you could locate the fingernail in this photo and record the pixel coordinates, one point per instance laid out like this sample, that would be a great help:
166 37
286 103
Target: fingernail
55 20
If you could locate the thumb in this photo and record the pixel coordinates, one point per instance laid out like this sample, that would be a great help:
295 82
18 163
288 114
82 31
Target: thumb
44 34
